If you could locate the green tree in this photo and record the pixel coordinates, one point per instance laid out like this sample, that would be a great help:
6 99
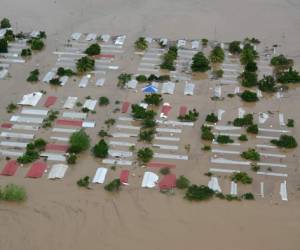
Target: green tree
211 118
217 55
12 192
182 182
85 64
267 84
153 99
79 142
251 66
199 193
200 63
93 49
234 47
3 46
145 155
290 76
5 23
248 79
251 154
281 62
113 186
249 96
241 177
100 150
285 141
248 54
37 44
141 44
103 101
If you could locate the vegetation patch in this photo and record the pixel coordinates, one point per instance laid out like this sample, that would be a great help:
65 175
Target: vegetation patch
13 192
100 150
211 118
200 63
141 44
182 182
169 59
251 154
33 76
249 96
113 186
241 177
224 139
93 49
191 116
199 193
145 155
79 142
285 141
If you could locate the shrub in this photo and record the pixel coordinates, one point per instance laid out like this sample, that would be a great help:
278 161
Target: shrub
26 52
39 144
147 135
191 116
230 197
243 138
33 76
110 122
169 58
113 186
141 44
224 139
234 47
79 141
145 155
12 192
11 108
253 129
206 148
71 159
55 81
218 73
123 79
217 55
153 99
65 72
248 54
211 118
207 135
28 157
245 121
251 154
267 84
84 182
152 78
241 177
148 123
281 62
248 196
42 35
251 67
139 112
141 78
102 133
103 101
164 78
182 182
3 46
93 49
37 44
100 150
200 63
85 64
248 79
285 141
9 36
255 167
249 96
204 42
290 76
199 193
165 171
5 23
290 123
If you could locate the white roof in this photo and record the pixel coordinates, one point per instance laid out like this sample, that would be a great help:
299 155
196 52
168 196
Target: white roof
131 84
170 156
2 32
120 40
119 153
214 184
117 162
84 81
63 80
26 127
53 156
57 171
26 119
34 34
16 135
168 88
181 43
189 89
144 105
163 41
149 180
31 99
195 44
76 36
30 111
3 73
88 124
100 82
105 38
283 191
13 144
90 104
91 37
100 175
49 76
74 115
148 39
70 102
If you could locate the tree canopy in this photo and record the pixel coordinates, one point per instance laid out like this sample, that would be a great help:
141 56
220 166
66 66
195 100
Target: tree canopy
217 55
100 150
85 64
200 63
93 49
79 142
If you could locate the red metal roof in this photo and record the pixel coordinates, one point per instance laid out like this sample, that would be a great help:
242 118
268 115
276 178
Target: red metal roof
160 165
10 168
125 107
182 110
6 125
74 123
37 169
57 147
168 182
50 101
124 176
166 109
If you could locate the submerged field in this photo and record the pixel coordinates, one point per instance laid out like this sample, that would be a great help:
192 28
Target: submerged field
59 215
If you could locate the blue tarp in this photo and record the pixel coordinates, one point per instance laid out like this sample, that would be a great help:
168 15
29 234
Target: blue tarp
150 89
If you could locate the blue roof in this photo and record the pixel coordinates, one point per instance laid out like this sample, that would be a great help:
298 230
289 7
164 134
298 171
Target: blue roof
150 89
